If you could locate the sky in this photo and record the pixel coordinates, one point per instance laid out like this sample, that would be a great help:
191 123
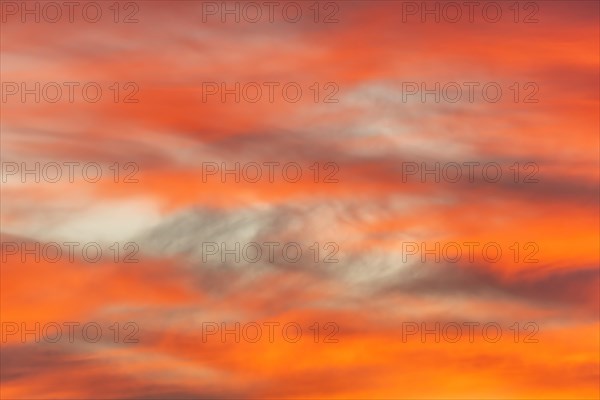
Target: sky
304 200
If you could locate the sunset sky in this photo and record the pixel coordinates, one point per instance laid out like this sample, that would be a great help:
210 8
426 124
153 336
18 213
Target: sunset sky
368 211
